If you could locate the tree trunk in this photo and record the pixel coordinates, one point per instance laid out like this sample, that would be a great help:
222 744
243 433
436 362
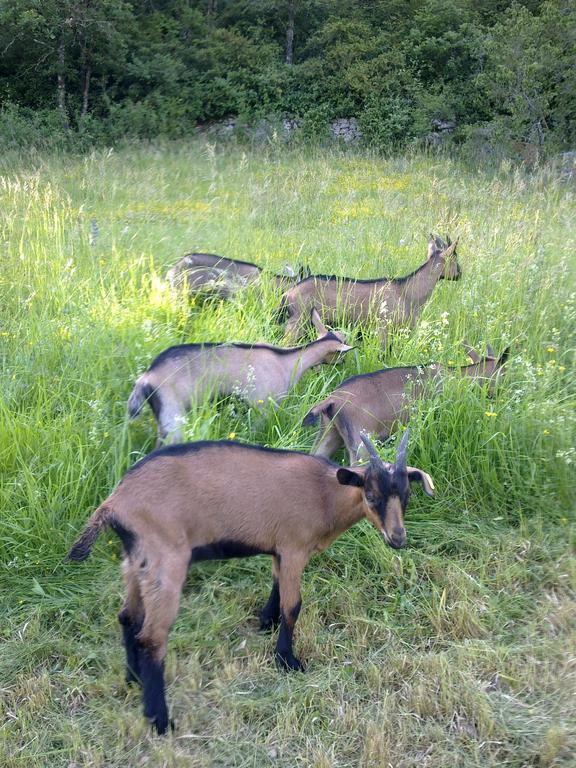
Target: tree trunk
86 91
211 8
61 93
290 32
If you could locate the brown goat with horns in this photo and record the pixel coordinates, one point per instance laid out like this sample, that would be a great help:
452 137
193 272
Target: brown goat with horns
389 301
211 500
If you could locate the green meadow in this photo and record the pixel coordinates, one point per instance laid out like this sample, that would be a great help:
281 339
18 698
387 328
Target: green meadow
456 652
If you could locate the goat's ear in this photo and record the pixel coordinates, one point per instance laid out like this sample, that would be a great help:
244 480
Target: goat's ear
348 477
344 348
317 323
440 244
503 358
450 250
418 476
432 249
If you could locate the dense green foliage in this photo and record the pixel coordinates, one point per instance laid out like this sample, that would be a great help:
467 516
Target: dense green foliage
457 652
502 72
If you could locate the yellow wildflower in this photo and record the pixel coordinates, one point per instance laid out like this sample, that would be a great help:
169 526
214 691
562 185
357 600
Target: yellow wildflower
550 349
551 362
561 368
490 414
260 402
232 436
546 432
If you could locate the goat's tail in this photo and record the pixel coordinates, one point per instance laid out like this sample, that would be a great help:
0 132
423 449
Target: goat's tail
102 518
139 395
313 416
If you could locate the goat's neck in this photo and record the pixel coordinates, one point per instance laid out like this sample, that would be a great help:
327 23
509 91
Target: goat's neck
417 288
348 508
305 357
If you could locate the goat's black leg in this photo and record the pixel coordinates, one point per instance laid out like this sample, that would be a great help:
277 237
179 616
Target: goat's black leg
129 630
154 697
270 614
130 618
291 569
160 589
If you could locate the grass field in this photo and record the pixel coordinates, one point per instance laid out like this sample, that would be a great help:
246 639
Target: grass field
459 651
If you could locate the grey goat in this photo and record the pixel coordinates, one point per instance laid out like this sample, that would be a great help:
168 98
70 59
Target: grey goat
186 373
223 277
375 402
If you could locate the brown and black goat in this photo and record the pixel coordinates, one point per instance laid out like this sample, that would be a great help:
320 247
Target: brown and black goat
211 500
388 301
375 402
223 277
187 373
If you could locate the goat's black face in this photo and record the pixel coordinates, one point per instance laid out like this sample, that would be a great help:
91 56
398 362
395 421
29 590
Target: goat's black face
387 492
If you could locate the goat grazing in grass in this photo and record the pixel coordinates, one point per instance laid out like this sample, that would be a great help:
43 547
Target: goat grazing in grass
210 500
223 277
390 301
374 402
187 373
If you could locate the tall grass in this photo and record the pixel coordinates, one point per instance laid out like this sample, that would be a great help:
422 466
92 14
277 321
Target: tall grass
456 652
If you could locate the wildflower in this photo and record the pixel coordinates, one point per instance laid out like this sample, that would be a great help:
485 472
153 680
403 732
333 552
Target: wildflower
232 436
552 362
490 414
260 402
540 372
550 349
546 432
561 368
564 520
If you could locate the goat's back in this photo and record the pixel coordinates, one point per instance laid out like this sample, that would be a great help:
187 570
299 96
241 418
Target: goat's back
195 494
343 297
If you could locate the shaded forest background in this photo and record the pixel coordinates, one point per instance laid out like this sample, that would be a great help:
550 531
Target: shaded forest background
97 71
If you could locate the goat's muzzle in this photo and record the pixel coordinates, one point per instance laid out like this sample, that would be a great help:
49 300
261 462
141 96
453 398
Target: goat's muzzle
398 540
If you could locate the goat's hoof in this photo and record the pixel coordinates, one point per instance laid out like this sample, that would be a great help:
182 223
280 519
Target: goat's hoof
289 662
161 722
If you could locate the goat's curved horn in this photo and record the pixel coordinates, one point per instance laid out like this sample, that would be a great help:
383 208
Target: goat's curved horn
471 352
375 459
402 451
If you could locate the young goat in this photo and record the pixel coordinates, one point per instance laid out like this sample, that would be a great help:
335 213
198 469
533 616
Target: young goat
222 276
184 374
211 500
396 301
374 402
